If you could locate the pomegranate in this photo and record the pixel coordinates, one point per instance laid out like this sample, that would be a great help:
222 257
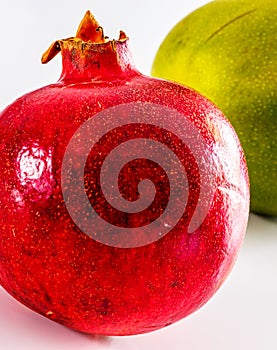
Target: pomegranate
124 198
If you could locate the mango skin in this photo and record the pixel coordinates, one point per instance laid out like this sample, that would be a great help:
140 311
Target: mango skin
227 50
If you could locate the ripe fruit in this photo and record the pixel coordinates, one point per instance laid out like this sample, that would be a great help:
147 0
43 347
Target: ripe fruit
227 50
124 199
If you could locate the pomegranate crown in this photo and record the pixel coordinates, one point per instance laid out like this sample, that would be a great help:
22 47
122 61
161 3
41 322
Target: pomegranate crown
89 31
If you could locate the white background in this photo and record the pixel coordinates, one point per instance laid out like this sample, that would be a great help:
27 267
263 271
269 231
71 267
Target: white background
243 314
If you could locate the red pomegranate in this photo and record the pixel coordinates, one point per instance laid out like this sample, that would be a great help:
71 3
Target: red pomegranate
124 199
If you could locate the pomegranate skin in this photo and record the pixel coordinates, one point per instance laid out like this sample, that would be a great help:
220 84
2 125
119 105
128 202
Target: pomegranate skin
49 264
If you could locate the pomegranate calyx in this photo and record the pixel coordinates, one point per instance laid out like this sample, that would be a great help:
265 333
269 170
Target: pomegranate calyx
89 32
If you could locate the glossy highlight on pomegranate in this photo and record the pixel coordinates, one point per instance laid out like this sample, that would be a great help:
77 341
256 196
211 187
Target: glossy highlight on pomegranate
124 198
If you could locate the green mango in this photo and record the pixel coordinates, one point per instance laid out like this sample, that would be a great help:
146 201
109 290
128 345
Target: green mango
227 50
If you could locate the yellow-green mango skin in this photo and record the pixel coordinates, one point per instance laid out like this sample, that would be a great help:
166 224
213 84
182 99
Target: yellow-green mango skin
227 50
